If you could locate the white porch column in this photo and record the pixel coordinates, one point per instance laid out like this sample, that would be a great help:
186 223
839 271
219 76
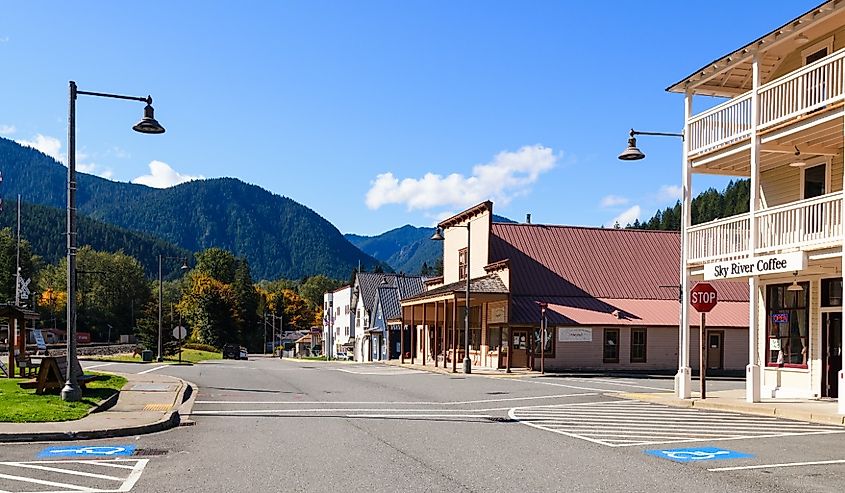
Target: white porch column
683 379
841 388
752 371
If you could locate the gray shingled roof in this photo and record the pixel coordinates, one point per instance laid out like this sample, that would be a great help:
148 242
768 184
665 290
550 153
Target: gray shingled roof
371 283
489 284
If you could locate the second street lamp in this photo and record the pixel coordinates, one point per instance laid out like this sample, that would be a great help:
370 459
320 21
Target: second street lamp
160 354
148 125
632 153
438 236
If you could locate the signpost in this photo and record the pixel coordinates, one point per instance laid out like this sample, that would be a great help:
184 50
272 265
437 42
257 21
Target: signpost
179 332
703 298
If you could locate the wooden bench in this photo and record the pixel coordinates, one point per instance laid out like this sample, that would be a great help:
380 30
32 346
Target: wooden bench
26 366
52 374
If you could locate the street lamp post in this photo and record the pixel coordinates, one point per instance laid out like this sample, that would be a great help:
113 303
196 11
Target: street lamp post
543 307
438 236
160 355
683 379
148 125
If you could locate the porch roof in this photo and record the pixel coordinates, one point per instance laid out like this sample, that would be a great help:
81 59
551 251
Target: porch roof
489 284
614 312
730 75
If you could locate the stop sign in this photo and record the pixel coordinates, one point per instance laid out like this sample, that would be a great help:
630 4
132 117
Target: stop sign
703 297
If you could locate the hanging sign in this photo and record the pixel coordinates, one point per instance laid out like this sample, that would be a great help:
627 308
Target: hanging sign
756 266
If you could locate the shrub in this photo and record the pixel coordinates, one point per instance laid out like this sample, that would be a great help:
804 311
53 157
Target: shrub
201 347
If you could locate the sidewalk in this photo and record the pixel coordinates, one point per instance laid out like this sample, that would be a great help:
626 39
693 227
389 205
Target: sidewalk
487 372
813 411
146 404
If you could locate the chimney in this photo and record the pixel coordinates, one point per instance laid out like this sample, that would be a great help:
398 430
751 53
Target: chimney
528 218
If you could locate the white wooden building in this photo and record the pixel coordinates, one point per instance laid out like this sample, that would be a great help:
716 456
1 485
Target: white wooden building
781 125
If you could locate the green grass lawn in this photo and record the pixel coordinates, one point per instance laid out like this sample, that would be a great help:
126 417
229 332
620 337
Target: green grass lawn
188 356
19 405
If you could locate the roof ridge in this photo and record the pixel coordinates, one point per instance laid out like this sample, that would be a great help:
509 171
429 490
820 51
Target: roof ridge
596 228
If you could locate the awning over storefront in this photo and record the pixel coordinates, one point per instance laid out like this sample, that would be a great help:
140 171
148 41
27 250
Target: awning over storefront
609 311
489 287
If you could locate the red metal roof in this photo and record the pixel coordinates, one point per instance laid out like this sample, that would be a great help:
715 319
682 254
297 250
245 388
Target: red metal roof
570 261
600 311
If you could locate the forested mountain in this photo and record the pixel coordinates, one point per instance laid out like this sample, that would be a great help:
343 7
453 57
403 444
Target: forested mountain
277 236
45 228
707 206
405 249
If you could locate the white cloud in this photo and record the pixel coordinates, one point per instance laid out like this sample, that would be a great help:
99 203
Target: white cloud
163 176
508 175
670 193
613 201
4 39
50 146
627 217
7 129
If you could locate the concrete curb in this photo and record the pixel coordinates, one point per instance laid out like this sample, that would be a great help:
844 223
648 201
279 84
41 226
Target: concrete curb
737 407
171 419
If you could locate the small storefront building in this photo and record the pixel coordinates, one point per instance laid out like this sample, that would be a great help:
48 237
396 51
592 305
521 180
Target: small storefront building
606 298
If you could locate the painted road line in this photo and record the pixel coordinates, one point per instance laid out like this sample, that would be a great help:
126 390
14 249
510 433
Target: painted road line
66 471
52 469
773 466
98 366
399 403
621 424
620 384
152 369
482 416
331 410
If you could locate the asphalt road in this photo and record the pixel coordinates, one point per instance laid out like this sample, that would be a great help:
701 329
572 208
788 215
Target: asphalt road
273 425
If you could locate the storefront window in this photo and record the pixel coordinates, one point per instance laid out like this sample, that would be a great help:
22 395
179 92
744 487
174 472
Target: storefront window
611 345
638 346
788 318
550 341
495 338
832 292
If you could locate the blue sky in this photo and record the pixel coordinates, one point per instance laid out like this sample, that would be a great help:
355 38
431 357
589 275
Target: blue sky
379 114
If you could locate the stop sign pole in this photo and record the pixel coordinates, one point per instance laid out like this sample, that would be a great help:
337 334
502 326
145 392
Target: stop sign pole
703 298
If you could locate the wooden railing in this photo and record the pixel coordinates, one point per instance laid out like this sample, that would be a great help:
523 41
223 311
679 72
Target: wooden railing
800 224
808 89
721 125
803 91
721 239
811 223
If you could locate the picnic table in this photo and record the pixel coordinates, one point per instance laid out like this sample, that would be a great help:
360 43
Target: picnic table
52 374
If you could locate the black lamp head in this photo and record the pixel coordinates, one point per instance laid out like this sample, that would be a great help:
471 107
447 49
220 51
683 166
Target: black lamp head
148 124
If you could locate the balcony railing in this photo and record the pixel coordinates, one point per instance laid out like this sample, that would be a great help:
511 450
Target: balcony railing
801 92
807 224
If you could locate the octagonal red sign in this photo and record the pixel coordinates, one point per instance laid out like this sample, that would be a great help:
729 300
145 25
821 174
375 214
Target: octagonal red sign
703 297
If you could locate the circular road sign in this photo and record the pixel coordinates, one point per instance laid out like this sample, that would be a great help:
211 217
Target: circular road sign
703 297
179 332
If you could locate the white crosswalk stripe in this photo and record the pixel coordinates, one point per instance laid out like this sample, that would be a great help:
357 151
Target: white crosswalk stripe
91 475
626 423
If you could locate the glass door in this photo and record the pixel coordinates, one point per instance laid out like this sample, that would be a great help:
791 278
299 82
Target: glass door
831 353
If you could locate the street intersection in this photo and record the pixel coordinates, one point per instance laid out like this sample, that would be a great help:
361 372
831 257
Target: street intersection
278 425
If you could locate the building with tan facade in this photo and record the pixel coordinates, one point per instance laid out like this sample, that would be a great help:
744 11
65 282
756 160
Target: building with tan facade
610 298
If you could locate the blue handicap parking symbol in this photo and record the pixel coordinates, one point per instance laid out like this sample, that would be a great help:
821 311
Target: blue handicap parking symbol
87 451
698 454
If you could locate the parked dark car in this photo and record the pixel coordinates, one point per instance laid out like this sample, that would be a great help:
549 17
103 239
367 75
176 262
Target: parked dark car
231 351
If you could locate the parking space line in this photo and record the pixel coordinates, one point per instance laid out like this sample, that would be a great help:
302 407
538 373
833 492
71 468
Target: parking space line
773 466
98 366
64 471
46 483
152 369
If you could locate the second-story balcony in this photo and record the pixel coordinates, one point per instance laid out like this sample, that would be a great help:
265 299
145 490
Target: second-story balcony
811 224
809 91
